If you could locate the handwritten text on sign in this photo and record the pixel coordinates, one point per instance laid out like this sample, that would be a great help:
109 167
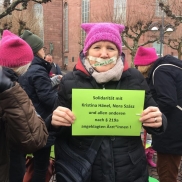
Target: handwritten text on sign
107 112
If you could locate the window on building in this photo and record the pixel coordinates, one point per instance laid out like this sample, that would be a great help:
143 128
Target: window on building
158 11
156 45
85 16
123 44
120 10
65 27
73 59
66 60
38 12
4 3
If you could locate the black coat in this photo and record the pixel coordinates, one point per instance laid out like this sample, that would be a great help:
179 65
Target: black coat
167 92
119 158
37 84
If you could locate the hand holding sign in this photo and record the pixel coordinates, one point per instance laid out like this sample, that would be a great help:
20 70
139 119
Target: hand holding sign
151 117
62 116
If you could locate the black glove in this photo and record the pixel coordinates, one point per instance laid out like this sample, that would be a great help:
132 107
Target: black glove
5 82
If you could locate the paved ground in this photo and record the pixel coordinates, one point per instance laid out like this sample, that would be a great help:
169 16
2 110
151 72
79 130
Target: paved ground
153 172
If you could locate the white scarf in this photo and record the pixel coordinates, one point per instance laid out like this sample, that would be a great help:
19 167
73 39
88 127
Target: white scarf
21 70
114 74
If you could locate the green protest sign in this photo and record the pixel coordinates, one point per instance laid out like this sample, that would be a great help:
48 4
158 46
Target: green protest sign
107 112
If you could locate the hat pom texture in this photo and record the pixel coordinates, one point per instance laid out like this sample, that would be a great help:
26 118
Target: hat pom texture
145 56
102 32
14 52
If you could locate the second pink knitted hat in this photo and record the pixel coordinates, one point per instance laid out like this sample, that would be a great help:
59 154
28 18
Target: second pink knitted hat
14 52
145 56
102 32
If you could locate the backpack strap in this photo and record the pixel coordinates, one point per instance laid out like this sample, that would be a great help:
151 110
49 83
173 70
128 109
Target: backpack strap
180 108
93 149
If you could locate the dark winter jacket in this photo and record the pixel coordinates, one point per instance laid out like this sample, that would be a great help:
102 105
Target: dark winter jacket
119 158
37 84
165 82
55 69
21 128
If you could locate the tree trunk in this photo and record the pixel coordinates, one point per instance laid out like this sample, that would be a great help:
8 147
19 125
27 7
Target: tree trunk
132 58
133 52
179 50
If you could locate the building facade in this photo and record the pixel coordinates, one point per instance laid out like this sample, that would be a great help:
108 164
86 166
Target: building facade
64 37
53 29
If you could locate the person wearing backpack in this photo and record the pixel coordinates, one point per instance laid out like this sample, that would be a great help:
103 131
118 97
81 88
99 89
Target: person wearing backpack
149 58
164 77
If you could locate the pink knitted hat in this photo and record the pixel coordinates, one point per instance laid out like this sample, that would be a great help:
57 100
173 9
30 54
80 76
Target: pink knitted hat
102 32
145 56
14 52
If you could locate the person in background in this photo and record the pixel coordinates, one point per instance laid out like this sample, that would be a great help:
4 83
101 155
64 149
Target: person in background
21 129
37 83
55 70
55 73
164 77
144 58
102 66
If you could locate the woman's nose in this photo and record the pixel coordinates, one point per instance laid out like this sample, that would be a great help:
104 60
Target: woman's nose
103 53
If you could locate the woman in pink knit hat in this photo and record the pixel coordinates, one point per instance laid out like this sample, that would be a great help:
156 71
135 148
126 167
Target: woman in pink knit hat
164 77
144 59
21 129
107 158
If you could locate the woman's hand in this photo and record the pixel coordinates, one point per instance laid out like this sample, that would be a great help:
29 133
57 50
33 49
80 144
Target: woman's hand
62 116
151 117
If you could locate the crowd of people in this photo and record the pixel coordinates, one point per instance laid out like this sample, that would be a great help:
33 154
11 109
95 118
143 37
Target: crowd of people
36 110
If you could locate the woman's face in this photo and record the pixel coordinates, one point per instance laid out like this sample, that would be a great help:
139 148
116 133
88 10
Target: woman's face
104 50
41 53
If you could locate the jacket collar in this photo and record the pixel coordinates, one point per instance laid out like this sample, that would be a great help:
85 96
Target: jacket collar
168 59
39 61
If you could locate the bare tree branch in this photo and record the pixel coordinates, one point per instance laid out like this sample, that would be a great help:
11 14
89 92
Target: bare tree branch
149 41
18 5
173 10
170 42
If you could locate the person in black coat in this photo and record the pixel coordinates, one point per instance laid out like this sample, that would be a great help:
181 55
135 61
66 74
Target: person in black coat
55 72
37 84
164 77
102 66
